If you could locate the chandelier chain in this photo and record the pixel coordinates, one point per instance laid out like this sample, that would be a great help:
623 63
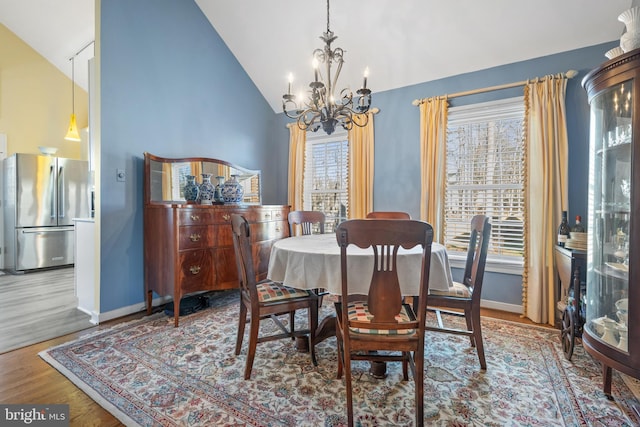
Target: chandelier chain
328 16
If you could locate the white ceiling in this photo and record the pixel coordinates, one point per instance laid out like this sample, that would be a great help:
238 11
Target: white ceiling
56 29
403 42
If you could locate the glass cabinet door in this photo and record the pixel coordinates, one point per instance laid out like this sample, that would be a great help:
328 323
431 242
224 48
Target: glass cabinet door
609 213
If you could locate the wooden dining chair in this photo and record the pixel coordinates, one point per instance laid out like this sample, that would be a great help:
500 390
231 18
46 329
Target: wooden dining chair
388 215
306 220
267 299
380 321
465 295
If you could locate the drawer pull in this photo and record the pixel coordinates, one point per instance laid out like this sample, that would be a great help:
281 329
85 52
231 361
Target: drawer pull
278 229
278 215
226 217
194 269
194 237
267 215
195 217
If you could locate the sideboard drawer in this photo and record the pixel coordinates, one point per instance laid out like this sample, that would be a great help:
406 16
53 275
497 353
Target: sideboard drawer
196 270
273 230
224 216
193 237
195 217
266 214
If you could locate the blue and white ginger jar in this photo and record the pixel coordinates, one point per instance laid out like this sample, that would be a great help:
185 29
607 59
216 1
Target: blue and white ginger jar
219 186
191 189
232 191
207 190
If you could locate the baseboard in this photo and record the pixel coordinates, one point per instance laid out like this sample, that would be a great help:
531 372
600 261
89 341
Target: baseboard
135 308
95 316
502 306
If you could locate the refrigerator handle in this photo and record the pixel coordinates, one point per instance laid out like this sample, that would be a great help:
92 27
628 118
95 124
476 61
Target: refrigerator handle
52 197
61 196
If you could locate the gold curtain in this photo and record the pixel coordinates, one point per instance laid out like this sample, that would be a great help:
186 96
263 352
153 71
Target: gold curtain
167 185
224 171
196 170
297 143
361 154
433 139
546 195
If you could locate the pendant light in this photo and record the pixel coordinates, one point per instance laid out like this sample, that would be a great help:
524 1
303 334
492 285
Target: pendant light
72 133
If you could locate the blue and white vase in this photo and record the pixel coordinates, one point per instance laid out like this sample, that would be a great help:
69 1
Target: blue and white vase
207 190
191 190
232 191
219 186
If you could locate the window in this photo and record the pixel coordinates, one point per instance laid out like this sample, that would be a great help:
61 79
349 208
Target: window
326 177
485 175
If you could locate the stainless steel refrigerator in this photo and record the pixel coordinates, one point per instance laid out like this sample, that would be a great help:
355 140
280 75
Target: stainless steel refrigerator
42 196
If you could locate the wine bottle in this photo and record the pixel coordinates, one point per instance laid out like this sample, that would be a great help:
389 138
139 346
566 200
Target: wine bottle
578 227
563 230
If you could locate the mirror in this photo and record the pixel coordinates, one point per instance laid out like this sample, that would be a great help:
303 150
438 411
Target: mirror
165 178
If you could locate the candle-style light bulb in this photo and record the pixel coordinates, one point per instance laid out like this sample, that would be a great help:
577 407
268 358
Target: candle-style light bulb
315 65
290 81
366 74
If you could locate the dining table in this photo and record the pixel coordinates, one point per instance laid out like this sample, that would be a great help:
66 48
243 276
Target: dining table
313 262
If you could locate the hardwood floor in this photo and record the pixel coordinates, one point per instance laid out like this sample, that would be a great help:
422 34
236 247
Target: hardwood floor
38 306
26 378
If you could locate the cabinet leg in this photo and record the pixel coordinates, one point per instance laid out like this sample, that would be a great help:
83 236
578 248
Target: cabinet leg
176 311
149 301
606 381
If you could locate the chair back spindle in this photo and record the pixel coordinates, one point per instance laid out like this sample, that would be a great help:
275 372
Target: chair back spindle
306 221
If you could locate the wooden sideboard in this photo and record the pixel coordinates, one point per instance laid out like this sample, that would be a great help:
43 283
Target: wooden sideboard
189 248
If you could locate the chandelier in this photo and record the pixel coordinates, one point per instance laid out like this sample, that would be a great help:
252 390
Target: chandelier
322 107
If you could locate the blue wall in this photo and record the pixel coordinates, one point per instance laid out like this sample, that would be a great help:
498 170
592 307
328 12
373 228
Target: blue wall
397 126
171 87
397 134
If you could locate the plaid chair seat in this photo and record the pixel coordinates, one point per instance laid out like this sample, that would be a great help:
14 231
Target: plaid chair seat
457 290
269 291
359 311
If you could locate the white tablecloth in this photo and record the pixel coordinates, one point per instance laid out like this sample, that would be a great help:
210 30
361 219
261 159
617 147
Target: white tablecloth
313 261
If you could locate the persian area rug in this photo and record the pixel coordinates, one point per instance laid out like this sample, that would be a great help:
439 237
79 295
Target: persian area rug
149 373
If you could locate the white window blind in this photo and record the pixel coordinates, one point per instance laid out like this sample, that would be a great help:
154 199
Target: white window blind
326 177
485 175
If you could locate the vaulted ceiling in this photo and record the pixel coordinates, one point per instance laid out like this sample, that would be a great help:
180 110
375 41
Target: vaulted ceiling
402 42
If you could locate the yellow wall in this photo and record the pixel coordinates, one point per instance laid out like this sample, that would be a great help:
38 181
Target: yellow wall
35 100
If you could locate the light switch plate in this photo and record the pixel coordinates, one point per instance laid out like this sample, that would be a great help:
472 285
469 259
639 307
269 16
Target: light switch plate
120 175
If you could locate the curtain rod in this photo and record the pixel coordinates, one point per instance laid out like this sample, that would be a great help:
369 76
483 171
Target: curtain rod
569 74
81 49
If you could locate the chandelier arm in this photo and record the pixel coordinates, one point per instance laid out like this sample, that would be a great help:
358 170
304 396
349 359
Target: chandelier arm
337 55
335 80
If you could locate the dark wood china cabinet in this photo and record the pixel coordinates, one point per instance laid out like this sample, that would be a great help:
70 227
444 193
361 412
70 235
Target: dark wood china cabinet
188 246
611 332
